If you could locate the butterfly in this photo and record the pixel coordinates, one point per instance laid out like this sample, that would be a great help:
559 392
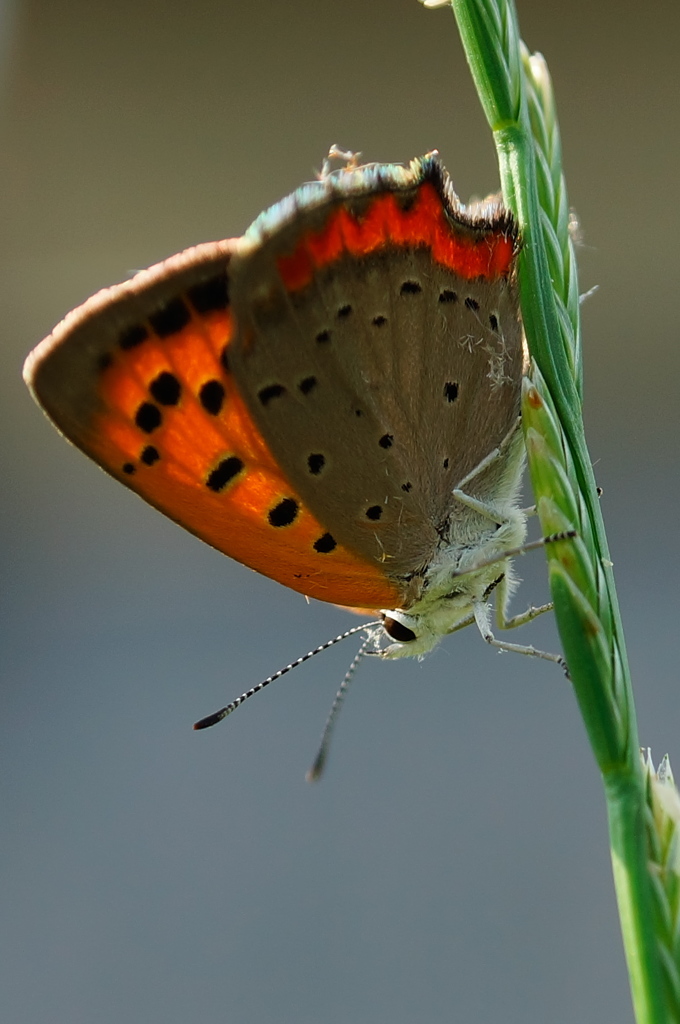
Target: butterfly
332 399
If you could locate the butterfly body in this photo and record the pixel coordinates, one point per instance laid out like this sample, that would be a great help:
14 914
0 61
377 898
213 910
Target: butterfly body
468 567
332 399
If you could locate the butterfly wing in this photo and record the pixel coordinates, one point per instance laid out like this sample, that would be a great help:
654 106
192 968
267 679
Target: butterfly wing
139 378
380 352
306 398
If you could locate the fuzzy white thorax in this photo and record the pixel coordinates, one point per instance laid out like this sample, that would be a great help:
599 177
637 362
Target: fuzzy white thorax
455 592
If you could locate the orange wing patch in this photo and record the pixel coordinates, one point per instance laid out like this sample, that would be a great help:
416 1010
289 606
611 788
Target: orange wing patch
470 253
166 419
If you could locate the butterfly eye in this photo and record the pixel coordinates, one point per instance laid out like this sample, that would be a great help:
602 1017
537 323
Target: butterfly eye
398 631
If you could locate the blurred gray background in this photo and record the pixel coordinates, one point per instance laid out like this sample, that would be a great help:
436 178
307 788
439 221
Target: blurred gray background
453 864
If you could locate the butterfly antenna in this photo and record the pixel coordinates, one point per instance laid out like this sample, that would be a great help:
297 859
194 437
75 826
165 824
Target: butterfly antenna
213 719
319 763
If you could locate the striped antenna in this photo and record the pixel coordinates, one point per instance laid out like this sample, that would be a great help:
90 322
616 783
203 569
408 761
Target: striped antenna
319 763
217 716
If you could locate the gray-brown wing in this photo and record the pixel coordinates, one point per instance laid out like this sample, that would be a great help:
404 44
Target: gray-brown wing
379 384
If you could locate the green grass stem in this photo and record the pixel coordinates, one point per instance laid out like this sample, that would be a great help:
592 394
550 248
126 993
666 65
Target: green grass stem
516 95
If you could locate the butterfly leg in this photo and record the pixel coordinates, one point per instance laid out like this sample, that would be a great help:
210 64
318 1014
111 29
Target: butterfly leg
467 621
488 511
524 617
482 620
482 507
505 621
475 504
346 156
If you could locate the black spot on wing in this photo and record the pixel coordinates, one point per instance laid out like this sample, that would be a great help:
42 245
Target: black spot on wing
171 319
325 544
284 513
224 473
210 296
148 417
166 389
150 455
133 337
211 396
270 392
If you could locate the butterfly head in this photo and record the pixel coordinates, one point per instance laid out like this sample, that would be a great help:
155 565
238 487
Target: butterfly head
414 632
